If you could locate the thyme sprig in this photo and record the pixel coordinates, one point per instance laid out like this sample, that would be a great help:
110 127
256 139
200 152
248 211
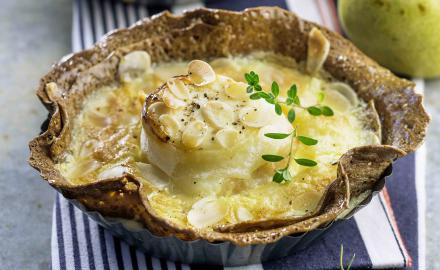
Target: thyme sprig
292 102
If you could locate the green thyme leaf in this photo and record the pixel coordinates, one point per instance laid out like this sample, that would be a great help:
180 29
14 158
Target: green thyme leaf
249 89
307 140
306 162
257 87
327 111
278 109
277 135
278 177
272 158
270 100
255 96
291 115
313 110
248 78
292 92
255 77
263 95
275 89
289 101
296 101
321 96
286 174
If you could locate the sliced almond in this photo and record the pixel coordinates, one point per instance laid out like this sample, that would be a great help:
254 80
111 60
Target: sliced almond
306 202
88 147
134 65
254 116
52 90
372 138
113 172
200 72
178 88
171 101
337 101
218 114
243 214
236 90
157 109
226 137
194 134
84 167
345 90
169 125
153 175
98 118
318 48
206 212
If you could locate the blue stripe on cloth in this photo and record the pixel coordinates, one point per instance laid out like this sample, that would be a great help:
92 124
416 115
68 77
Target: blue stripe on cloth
402 190
324 254
60 236
149 263
103 245
133 256
90 254
76 256
117 246
103 17
242 4
81 23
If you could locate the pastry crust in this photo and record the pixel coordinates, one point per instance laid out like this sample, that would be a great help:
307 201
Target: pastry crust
204 34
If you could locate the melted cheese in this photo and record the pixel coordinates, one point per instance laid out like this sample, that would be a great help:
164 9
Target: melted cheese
107 139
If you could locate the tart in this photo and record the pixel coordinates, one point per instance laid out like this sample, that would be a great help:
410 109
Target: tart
164 123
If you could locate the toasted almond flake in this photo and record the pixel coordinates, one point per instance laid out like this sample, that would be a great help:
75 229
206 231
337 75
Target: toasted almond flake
345 90
225 63
171 100
200 72
134 65
153 175
157 109
226 137
253 116
84 167
98 118
243 214
218 114
178 88
52 90
372 138
318 48
236 90
337 101
306 201
194 134
169 125
88 147
113 172
206 212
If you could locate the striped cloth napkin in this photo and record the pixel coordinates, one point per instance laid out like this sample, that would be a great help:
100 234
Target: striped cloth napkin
388 233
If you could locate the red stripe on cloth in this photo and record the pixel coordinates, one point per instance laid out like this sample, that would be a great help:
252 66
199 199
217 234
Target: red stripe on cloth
321 13
390 213
334 16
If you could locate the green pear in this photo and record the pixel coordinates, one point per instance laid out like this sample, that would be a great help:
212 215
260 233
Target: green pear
403 35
